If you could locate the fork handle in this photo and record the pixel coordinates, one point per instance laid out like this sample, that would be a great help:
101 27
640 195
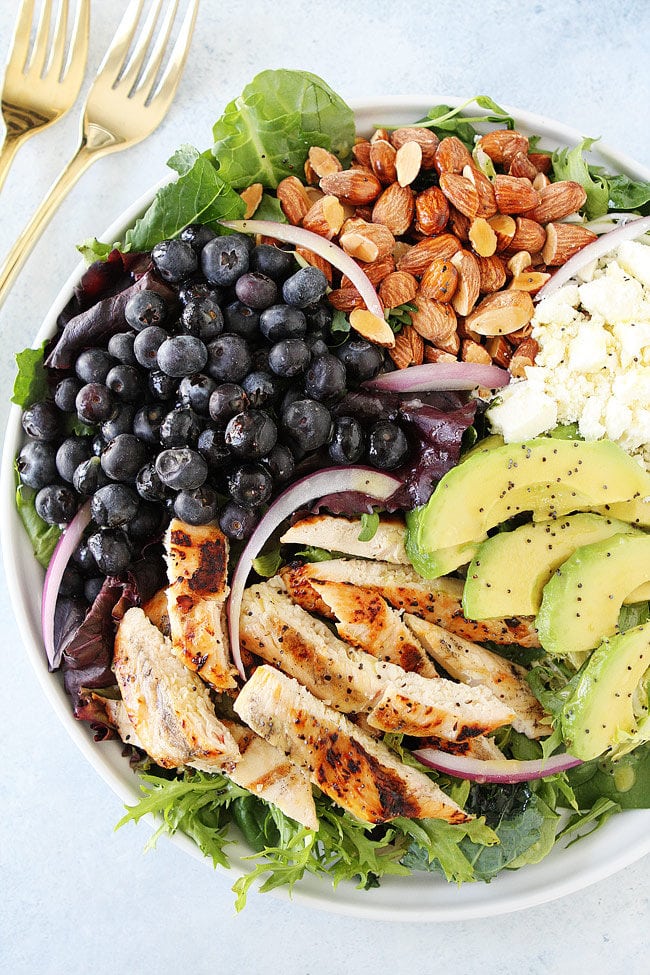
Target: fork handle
7 153
55 196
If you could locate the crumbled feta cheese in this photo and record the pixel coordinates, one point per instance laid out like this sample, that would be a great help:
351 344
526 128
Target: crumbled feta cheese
634 258
521 412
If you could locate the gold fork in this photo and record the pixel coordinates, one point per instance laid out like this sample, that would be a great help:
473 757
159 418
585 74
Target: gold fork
127 101
42 79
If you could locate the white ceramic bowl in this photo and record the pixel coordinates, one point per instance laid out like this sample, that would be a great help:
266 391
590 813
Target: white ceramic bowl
421 897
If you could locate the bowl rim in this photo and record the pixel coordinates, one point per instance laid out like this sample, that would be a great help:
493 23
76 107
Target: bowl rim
616 845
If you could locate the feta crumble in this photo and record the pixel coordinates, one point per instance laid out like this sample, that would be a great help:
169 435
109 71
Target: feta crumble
593 366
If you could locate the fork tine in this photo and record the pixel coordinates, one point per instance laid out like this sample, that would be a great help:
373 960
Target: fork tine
58 41
22 34
130 75
172 74
72 71
153 65
114 58
41 47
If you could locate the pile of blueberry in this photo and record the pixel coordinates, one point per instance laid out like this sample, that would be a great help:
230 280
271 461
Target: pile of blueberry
203 406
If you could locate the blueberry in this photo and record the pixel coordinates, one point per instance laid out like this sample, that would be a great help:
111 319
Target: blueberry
93 587
148 484
280 463
145 308
181 468
146 422
262 388
84 558
147 521
229 358
125 381
319 317
196 235
41 420
325 378
227 400
72 452
316 344
174 259
387 445
305 287
195 289
195 391
256 290
347 444
182 355
146 345
56 504
124 456
236 522
72 583
180 428
289 357
111 550
36 464
114 505
161 386
121 422
94 403
251 435
197 507
308 423
65 394
242 320
93 365
89 476
203 318
250 485
224 259
282 322
361 359
212 445
120 346
272 261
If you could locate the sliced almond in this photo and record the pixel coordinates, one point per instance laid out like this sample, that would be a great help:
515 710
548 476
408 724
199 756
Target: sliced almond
325 217
563 240
499 349
452 156
530 281
473 352
372 328
519 262
523 357
252 197
504 227
431 211
540 181
294 200
418 258
408 349
514 194
428 142
395 208
378 233
461 193
501 313
359 247
323 162
408 162
382 161
397 288
439 281
354 186
435 321
492 273
469 282
558 200
482 237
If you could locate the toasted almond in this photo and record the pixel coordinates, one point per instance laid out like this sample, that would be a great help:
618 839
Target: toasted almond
529 236
530 281
294 200
408 349
520 165
354 186
428 142
314 193
435 321
473 352
452 156
311 176
418 258
504 227
431 211
252 197
541 181
408 162
499 349
345 298
323 162
361 152
469 282
375 271
380 134
466 333
359 247
382 161
395 208
563 240
515 194
459 224
501 145
431 354
461 193
558 200
397 288
492 274
519 262
501 312
401 248
523 357
325 217
482 237
541 161
372 328
487 205
439 281
316 261
517 337
378 233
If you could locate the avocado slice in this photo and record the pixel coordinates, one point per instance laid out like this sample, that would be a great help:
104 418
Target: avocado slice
636 512
581 602
433 565
509 571
542 474
600 713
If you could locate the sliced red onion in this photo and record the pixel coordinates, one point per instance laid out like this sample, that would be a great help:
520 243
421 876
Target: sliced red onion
65 546
441 375
504 770
608 242
302 493
326 249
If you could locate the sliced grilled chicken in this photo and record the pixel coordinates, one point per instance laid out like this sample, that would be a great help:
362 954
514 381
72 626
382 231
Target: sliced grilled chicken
482 747
118 719
453 711
169 708
436 600
353 681
475 665
197 569
349 766
155 609
266 772
368 622
337 534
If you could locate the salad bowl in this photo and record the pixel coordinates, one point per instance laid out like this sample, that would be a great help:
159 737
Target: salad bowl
424 897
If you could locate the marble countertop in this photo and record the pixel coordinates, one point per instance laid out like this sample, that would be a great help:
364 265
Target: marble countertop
77 897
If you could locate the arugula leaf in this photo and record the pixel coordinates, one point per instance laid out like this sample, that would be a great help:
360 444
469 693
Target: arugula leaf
400 315
311 553
30 384
93 250
369 526
265 134
42 536
571 164
446 121
267 563
628 194
340 322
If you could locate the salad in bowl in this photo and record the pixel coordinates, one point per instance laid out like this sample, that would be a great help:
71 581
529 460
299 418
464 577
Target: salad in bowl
337 463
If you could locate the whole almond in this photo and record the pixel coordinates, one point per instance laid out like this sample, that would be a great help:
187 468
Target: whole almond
408 349
431 211
504 227
487 205
563 240
502 144
408 162
482 237
541 161
439 281
492 274
520 165
395 209
375 271
345 299
469 282
501 312
372 328
323 162
397 288
294 200
473 352
382 161
418 258
523 357
354 186
499 349
528 236
515 194
452 156
431 354
558 200
378 233
361 152
435 321
428 142
460 192
459 224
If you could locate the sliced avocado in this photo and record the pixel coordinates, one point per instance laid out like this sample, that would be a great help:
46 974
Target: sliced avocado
581 602
640 595
600 712
510 570
546 474
636 512
433 565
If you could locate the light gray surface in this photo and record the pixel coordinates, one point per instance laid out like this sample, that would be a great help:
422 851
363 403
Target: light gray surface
75 896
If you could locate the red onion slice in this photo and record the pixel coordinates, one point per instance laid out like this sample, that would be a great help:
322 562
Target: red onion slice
440 376
300 494
505 771
65 546
604 244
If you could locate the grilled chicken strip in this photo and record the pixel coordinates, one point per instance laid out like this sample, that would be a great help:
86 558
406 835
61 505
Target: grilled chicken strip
367 621
475 665
155 609
197 569
266 772
353 681
169 708
337 534
348 765
436 600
